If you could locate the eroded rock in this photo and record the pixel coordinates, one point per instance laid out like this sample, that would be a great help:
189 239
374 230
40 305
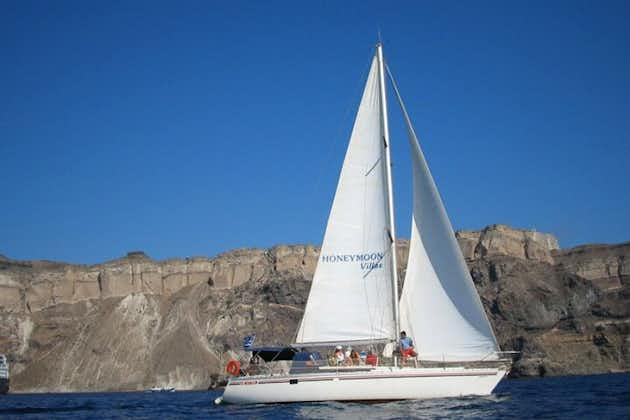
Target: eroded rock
133 323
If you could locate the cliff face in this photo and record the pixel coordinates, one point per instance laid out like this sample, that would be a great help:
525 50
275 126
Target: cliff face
133 323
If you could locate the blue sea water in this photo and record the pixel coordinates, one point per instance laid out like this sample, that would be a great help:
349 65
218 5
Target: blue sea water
601 397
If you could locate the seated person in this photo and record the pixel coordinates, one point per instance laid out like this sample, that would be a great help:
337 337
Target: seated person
406 346
254 365
371 359
348 360
354 356
339 356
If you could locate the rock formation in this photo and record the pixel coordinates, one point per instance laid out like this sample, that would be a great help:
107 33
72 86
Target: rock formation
133 323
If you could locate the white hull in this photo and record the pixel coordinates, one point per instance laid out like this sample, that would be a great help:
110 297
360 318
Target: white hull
375 385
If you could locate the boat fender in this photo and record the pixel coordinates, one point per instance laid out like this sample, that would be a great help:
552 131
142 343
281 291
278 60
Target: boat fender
233 367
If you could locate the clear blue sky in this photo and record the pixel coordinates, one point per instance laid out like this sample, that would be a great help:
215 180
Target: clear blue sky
190 128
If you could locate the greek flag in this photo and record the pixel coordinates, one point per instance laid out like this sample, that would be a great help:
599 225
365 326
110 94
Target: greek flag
248 341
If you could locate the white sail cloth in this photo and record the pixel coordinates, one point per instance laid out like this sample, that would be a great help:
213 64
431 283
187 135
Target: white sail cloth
439 306
351 294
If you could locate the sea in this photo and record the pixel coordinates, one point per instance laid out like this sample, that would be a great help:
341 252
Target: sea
569 397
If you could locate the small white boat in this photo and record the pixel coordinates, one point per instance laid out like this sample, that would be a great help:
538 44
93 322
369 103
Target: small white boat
162 389
354 299
4 374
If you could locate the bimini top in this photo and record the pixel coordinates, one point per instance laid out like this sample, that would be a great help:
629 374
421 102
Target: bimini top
273 354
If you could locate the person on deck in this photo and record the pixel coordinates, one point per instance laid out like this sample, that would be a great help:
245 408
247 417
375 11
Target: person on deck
339 356
406 346
355 357
371 358
254 365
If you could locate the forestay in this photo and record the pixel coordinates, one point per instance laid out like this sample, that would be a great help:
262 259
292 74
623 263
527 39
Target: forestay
439 305
350 297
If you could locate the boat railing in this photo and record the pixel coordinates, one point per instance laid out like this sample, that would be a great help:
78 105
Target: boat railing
319 366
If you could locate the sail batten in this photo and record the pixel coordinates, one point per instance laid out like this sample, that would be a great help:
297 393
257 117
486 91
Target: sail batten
440 306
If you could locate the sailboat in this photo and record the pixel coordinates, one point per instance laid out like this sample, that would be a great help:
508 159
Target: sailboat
353 300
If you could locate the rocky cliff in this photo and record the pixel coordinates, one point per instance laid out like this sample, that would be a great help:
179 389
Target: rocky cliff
133 323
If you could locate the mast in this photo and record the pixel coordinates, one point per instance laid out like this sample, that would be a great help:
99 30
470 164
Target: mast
390 191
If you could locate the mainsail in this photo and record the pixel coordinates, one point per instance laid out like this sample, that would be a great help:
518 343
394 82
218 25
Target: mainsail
439 305
351 293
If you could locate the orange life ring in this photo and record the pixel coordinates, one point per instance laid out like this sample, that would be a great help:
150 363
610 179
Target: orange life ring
233 367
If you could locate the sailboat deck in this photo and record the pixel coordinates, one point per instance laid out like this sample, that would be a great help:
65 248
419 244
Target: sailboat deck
350 373
302 369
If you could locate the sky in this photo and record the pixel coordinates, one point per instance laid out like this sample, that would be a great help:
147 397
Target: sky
192 128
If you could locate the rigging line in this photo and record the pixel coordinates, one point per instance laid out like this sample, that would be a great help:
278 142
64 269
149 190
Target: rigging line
410 130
